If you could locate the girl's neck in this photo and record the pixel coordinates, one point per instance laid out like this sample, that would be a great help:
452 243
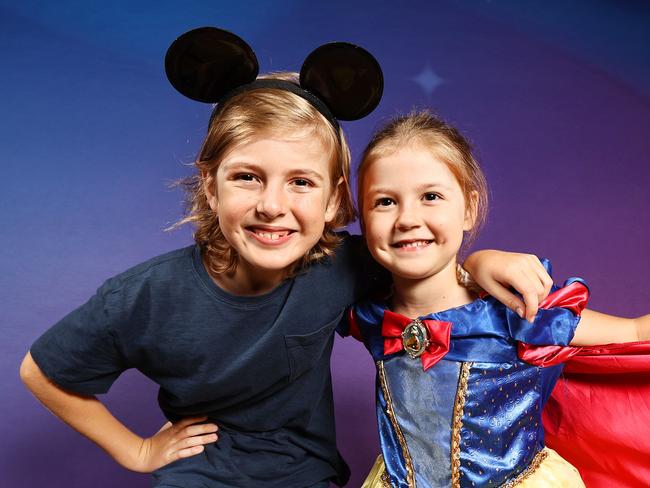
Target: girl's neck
441 291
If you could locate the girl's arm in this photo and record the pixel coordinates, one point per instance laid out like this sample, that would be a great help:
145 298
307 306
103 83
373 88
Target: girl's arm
498 271
91 418
597 328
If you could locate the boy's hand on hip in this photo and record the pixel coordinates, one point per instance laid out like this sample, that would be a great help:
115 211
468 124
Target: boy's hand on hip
172 442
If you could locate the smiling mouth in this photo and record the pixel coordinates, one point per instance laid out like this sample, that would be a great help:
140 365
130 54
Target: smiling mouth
266 235
412 244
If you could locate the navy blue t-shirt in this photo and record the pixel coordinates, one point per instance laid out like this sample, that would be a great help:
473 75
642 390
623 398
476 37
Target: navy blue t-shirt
258 366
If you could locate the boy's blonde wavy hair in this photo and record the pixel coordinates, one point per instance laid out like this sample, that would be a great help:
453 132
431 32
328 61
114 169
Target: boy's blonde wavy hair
242 119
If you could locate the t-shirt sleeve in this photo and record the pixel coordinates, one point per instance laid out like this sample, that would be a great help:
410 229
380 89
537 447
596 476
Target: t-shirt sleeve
349 326
80 353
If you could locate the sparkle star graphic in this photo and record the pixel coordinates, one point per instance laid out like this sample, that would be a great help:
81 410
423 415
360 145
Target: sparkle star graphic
428 80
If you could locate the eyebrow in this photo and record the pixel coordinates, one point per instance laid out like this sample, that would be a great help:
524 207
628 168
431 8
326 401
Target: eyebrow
420 188
307 172
231 165
427 186
245 165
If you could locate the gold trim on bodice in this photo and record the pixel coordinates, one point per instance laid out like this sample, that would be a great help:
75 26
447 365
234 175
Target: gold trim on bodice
457 423
410 477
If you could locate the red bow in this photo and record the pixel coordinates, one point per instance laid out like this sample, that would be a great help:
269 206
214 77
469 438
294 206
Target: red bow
439 333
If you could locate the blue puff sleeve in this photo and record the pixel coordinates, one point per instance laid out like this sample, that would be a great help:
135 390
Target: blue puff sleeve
557 317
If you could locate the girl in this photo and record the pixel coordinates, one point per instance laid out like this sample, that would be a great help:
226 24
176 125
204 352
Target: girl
236 329
461 379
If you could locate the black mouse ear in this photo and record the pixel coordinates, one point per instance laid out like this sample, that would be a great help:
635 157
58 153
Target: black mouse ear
206 63
346 77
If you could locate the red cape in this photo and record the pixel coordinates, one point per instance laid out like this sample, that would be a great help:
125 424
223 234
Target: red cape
598 416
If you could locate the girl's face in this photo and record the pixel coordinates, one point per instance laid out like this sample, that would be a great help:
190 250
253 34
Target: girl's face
414 213
273 197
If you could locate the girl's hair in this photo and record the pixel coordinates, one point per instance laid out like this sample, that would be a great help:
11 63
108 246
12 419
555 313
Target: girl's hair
445 143
242 119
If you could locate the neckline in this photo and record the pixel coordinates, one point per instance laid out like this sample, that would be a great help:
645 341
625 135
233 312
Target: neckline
241 301
384 305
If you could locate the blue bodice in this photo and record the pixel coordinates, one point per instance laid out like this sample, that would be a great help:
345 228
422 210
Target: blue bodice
474 418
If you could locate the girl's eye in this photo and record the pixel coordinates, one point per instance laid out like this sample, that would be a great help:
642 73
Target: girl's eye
384 202
430 196
302 182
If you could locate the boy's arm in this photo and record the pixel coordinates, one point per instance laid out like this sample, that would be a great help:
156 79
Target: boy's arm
597 328
498 271
91 418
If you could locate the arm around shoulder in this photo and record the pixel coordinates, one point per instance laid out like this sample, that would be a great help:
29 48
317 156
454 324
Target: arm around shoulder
498 271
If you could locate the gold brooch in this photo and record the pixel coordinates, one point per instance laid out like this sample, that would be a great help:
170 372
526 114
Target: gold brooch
415 338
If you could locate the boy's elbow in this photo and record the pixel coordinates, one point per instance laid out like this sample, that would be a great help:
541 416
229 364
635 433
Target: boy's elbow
30 373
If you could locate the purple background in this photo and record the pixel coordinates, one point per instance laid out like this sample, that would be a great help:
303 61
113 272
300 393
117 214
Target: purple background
555 97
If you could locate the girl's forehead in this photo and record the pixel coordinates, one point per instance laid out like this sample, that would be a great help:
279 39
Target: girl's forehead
410 163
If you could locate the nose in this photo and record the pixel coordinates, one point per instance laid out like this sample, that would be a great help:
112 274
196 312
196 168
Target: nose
272 202
407 219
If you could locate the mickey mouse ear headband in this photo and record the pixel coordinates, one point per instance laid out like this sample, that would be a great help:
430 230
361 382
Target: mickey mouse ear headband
341 80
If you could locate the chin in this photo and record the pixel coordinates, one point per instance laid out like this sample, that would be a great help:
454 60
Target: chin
410 273
273 266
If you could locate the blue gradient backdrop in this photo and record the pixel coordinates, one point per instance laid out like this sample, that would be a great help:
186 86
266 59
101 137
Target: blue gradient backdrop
555 96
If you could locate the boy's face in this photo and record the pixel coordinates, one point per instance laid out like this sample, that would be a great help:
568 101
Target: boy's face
273 197
414 213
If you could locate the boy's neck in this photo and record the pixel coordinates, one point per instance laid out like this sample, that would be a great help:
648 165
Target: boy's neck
248 282
415 298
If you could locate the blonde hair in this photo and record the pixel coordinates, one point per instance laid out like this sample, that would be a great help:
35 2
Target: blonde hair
241 119
446 143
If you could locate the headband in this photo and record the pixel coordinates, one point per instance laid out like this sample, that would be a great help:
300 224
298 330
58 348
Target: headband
341 80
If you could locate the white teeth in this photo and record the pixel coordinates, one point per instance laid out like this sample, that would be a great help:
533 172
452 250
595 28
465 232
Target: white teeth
414 244
272 236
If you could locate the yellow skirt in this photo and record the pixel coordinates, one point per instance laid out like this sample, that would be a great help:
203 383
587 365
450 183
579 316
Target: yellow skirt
552 472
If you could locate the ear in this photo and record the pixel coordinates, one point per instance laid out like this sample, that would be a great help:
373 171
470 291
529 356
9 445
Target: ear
471 211
210 190
334 201
346 77
206 63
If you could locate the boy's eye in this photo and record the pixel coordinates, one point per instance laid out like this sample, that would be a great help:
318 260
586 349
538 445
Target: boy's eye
430 196
245 177
384 202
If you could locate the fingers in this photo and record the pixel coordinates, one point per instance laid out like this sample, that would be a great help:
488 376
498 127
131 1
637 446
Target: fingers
190 438
523 272
529 286
191 441
529 278
190 446
526 308
185 453
536 286
199 429
181 424
544 277
188 428
185 438
509 299
531 304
